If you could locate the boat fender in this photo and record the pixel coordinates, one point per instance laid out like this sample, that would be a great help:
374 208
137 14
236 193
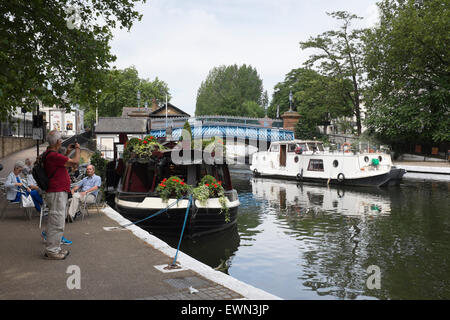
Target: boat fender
300 175
255 172
340 177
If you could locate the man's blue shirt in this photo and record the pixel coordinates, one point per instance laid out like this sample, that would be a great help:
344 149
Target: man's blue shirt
88 182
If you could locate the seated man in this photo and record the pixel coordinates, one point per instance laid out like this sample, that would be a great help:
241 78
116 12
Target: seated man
90 183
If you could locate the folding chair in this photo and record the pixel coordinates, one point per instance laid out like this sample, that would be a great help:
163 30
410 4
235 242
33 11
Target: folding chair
28 211
85 206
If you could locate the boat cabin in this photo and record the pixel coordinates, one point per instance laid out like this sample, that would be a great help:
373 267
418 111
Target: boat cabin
144 177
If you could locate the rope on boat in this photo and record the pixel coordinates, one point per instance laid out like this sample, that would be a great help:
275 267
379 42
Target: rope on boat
150 216
173 265
182 231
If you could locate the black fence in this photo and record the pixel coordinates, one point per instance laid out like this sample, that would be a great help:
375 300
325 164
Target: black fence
16 128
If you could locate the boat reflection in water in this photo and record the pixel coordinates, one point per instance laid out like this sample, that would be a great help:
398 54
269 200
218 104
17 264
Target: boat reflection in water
321 238
305 199
308 241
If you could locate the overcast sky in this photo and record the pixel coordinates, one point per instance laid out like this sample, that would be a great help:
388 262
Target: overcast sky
180 41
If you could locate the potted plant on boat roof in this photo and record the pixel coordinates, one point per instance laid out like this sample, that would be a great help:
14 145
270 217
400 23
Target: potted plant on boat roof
141 149
173 187
208 188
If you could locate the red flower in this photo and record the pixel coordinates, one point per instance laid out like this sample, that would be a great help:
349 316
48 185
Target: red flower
207 185
164 180
151 138
145 141
215 185
220 182
182 183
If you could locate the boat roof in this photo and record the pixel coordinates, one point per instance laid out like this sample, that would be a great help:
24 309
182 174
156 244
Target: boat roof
297 141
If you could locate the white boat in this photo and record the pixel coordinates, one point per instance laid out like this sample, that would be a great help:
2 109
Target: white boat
305 198
308 161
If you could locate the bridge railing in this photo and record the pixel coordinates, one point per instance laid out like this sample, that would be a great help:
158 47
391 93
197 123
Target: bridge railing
160 123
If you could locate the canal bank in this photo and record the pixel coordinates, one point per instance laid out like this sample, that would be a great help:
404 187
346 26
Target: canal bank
123 263
426 167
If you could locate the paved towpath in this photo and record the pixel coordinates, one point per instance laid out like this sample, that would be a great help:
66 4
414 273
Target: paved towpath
118 264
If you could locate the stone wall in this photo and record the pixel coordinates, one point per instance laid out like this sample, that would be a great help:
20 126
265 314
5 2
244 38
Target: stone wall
10 145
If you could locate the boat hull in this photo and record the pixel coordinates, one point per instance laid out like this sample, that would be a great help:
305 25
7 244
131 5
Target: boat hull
393 177
200 220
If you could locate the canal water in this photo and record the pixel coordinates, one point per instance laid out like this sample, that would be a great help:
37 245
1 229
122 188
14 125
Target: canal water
307 241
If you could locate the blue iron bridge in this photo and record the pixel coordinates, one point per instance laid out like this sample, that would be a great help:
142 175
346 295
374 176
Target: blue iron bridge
226 127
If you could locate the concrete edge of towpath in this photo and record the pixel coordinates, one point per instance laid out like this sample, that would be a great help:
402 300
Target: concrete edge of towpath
187 262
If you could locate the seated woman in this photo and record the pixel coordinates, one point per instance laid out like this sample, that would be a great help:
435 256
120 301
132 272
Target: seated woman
15 186
32 184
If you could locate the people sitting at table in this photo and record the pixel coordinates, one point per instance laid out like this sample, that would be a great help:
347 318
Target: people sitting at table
88 190
15 187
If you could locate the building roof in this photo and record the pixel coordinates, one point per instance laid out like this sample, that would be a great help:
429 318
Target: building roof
121 125
133 112
154 112
161 111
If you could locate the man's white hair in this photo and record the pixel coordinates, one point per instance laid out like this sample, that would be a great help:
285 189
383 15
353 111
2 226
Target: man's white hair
53 137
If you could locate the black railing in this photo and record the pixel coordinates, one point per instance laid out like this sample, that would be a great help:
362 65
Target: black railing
16 128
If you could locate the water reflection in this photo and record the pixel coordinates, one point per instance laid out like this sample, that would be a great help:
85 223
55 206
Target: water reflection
215 250
292 197
306 241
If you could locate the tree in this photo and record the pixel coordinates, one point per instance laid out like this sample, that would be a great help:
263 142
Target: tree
120 90
228 90
340 57
307 130
407 62
48 46
315 97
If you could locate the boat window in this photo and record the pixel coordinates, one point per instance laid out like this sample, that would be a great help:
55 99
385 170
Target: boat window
320 146
291 147
302 146
275 148
315 165
312 146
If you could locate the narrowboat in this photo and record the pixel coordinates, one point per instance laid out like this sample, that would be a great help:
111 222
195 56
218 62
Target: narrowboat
135 182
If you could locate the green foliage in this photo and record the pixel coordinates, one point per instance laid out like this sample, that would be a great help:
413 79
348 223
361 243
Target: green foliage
209 187
408 68
43 56
187 128
231 90
119 89
100 164
252 109
340 57
317 98
141 148
174 187
307 130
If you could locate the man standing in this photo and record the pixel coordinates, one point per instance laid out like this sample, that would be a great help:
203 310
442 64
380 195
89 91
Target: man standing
89 188
57 193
